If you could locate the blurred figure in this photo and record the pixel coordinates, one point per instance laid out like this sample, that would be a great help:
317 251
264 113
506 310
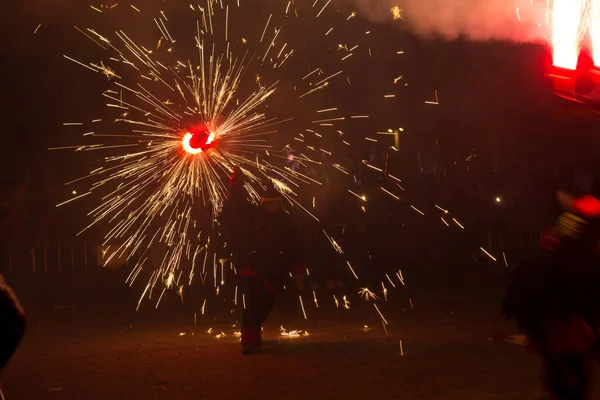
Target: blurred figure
264 241
236 215
12 323
554 296
292 162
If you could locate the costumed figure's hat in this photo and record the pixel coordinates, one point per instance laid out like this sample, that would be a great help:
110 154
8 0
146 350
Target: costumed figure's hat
586 199
271 194
237 180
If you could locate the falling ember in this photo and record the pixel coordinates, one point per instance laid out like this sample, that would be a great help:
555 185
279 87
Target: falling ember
302 306
458 223
488 254
346 302
367 294
568 27
417 210
352 269
381 315
397 13
292 334
385 291
437 99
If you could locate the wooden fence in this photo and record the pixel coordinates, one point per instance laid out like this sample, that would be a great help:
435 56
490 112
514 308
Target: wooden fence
61 275
49 259
73 274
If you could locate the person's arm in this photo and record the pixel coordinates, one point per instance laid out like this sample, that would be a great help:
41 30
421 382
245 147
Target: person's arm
587 206
293 245
12 324
296 254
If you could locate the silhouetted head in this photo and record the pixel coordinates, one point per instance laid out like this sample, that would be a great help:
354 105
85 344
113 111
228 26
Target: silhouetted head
271 199
586 180
237 180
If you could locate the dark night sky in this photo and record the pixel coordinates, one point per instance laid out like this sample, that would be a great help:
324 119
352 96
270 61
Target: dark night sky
493 95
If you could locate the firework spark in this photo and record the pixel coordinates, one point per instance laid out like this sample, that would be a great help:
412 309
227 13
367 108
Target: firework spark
367 294
568 28
179 125
397 13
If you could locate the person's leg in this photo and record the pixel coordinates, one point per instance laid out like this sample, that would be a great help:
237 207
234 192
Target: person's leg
577 366
567 377
267 300
551 375
251 314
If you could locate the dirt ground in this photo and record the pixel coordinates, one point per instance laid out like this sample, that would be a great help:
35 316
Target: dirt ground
441 349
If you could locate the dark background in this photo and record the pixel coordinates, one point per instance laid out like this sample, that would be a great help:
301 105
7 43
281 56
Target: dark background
495 103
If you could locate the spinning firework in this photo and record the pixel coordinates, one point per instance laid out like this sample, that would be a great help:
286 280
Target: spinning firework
571 21
575 42
192 121
572 28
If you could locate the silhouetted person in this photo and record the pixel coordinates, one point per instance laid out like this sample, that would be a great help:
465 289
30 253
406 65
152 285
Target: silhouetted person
237 215
12 323
264 241
555 298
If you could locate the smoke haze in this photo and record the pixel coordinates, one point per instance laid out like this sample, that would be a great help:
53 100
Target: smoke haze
477 20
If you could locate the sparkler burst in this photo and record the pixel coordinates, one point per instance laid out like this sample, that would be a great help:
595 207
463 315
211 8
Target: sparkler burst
181 116
570 22
225 84
568 28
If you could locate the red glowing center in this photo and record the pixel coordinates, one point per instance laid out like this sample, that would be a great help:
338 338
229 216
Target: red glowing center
198 139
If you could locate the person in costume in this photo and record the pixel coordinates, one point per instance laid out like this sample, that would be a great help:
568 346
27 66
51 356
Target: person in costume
265 245
554 297
12 323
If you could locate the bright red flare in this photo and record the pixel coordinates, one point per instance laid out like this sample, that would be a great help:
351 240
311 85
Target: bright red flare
198 139
594 10
567 26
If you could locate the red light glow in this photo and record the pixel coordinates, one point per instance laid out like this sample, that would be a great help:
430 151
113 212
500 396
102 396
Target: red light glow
568 24
197 140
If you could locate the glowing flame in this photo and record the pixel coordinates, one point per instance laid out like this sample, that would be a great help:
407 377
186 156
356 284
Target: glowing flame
567 30
210 139
189 148
594 10
187 138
